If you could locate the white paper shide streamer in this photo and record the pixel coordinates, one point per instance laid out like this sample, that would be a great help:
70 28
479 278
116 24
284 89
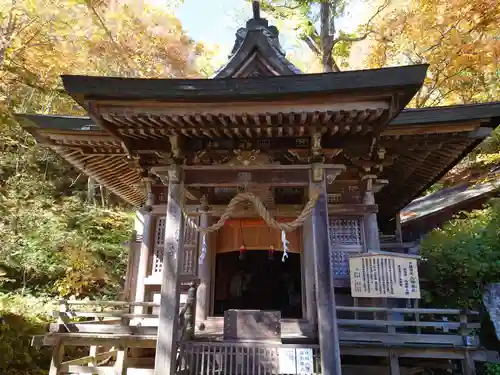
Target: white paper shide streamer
285 243
203 252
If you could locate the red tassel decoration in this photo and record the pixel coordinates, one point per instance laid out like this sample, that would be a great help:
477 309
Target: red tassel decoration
270 254
242 251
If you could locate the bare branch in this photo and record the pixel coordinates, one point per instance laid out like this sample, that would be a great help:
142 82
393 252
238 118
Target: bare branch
344 38
311 44
379 10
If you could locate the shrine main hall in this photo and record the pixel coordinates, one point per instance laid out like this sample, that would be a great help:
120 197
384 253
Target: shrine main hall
267 221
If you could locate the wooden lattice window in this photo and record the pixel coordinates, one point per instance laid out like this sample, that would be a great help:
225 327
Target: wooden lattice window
340 264
346 237
346 232
190 247
334 198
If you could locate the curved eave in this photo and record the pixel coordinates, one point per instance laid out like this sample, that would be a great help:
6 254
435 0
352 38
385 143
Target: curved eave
449 198
407 117
88 148
409 179
257 45
449 114
82 123
114 172
462 127
406 78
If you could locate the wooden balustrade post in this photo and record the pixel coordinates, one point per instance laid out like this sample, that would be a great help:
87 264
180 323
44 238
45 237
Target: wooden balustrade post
469 365
173 259
463 326
63 317
394 364
190 315
57 357
120 367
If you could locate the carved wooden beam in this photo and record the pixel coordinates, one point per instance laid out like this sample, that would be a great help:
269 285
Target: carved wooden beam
94 116
331 103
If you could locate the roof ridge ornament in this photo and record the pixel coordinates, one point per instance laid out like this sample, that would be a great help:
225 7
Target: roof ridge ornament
256 9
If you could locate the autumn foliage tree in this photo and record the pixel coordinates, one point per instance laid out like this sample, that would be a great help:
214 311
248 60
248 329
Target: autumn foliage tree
458 38
54 241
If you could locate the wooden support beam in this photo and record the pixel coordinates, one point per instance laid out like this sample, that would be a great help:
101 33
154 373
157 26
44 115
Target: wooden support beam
173 259
227 178
57 358
272 175
325 295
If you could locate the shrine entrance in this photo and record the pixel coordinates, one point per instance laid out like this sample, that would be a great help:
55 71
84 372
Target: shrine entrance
258 280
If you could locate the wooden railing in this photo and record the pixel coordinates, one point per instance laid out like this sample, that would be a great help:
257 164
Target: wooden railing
199 358
118 317
409 325
378 324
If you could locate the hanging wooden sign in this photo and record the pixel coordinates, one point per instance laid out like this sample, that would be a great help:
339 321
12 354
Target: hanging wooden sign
383 275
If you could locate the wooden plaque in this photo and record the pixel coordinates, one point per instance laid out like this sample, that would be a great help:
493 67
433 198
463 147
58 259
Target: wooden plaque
249 325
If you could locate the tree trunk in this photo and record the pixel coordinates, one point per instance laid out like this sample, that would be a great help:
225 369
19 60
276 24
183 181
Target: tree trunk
327 35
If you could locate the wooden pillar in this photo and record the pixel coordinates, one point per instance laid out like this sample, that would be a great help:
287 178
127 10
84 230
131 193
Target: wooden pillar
204 274
309 287
325 294
130 285
168 322
142 268
372 239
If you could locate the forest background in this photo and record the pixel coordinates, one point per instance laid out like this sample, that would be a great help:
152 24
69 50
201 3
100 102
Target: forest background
64 235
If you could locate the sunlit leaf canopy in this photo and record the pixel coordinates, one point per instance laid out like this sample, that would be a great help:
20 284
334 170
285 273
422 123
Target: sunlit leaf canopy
45 39
58 226
458 38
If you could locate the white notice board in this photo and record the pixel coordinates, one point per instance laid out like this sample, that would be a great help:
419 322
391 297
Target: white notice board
384 276
305 361
296 361
287 360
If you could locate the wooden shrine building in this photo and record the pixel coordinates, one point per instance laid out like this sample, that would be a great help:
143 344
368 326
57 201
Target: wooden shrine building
304 173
